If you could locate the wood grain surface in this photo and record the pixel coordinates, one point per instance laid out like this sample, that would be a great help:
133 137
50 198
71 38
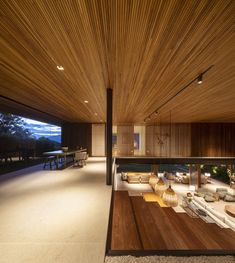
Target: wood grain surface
124 231
145 50
162 229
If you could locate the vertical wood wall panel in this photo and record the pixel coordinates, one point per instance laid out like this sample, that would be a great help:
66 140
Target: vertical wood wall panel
161 140
213 139
180 140
125 140
196 139
149 145
168 140
77 135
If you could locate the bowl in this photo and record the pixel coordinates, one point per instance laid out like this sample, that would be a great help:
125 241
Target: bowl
64 149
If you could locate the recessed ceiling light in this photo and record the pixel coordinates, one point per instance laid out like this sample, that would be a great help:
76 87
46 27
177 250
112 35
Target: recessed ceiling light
96 114
86 101
199 79
60 68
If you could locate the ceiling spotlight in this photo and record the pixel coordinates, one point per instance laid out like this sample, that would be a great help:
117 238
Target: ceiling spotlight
60 68
156 113
96 114
148 119
199 79
86 101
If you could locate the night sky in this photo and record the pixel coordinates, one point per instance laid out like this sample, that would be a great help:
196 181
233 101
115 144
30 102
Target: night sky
41 129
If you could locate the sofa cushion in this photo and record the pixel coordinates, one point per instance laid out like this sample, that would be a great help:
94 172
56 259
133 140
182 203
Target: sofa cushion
178 179
216 196
209 198
221 190
229 198
185 179
169 176
202 190
222 194
199 194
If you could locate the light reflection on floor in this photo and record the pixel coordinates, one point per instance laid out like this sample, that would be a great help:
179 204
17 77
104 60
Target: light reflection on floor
55 216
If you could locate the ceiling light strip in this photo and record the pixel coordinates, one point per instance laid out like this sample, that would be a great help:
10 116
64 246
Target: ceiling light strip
199 81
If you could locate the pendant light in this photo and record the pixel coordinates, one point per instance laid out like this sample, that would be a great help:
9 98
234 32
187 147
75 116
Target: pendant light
169 197
160 187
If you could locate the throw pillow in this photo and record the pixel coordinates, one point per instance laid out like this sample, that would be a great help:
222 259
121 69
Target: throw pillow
209 198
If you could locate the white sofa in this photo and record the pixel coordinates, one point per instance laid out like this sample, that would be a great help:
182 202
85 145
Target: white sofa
221 219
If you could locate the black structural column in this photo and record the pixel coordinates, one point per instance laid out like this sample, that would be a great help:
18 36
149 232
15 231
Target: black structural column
109 134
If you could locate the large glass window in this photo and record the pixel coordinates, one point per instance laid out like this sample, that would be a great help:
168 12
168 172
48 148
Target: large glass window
23 141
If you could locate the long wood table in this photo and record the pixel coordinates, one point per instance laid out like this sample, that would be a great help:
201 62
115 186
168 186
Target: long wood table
60 153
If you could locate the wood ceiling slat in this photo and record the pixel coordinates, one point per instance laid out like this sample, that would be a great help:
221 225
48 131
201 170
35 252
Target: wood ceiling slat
146 50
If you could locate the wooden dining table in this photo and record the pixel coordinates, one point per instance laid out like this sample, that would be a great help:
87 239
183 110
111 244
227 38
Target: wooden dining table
62 154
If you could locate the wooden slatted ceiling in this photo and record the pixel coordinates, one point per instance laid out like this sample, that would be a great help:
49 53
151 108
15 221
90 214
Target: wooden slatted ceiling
146 50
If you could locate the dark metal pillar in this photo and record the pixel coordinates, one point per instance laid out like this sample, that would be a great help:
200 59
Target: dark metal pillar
109 133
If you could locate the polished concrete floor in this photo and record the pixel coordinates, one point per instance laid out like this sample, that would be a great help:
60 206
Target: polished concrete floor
54 216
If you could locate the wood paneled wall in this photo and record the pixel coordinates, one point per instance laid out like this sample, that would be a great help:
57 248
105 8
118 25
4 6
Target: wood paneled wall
77 135
195 140
180 143
165 140
168 140
213 139
125 140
